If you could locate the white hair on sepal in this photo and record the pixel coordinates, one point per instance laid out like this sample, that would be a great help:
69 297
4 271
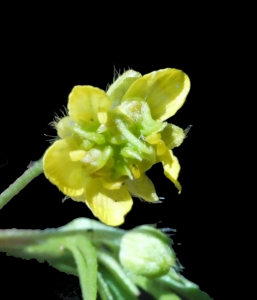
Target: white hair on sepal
65 198
165 230
145 201
178 267
55 121
57 118
52 139
168 231
116 75
31 163
156 202
65 111
171 232
186 131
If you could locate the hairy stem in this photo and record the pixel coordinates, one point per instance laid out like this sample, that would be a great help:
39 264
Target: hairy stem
35 170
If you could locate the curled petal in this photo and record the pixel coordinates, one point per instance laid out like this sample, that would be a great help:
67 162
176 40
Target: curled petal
142 187
148 160
165 92
65 127
120 86
88 104
96 159
62 171
171 167
110 206
173 136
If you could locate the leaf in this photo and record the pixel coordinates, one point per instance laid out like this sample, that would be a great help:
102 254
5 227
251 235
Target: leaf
68 248
75 249
171 286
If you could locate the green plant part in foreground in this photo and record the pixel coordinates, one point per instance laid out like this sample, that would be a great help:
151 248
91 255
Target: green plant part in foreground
92 251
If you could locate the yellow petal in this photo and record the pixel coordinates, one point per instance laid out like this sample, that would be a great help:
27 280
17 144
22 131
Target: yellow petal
120 86
89 104
173 136
171 167
110 206
142 187
165 92
58 167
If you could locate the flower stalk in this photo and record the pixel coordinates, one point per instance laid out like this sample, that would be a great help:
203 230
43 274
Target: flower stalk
35 169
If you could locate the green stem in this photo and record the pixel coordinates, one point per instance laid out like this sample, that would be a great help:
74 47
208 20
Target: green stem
35 170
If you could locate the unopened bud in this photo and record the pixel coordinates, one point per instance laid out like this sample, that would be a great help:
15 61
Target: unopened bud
146 251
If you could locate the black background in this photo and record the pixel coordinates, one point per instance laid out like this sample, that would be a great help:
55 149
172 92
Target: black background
38 71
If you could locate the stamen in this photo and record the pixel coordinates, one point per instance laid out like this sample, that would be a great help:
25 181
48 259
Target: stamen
161 148
135 171
77 155
102 117
153 138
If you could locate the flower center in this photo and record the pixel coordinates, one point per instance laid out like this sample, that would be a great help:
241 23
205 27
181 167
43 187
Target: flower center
122 143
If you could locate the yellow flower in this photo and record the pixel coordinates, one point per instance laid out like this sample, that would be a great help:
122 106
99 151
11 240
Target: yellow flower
109 140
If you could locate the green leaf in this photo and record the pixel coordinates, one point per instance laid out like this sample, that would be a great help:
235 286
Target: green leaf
85 257
103 288
77 247
171 286
117 272
68 248
118 290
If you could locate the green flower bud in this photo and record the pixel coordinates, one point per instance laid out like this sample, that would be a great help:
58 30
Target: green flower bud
146 251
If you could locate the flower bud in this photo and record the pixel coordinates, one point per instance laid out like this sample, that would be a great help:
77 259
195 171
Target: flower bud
146 251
